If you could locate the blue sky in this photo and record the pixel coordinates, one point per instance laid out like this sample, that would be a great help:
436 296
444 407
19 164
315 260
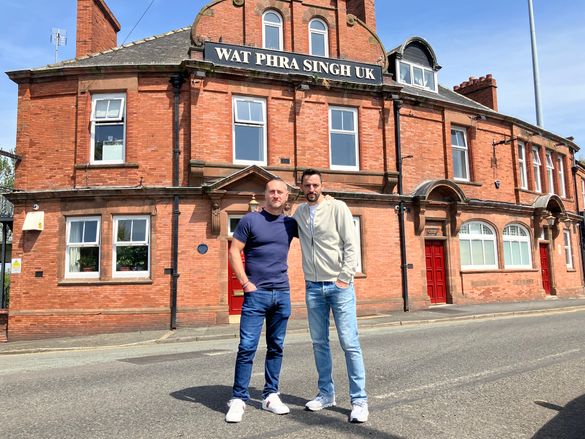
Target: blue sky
469 39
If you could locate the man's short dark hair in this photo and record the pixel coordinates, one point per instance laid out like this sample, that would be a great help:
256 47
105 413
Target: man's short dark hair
275 179
309 172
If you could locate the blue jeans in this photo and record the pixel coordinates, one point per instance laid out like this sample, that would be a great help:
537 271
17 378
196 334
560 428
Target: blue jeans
274 306
322 297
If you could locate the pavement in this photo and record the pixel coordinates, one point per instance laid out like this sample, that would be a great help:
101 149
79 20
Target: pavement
433 315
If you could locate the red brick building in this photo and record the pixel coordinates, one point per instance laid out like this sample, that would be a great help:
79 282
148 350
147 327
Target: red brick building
137 161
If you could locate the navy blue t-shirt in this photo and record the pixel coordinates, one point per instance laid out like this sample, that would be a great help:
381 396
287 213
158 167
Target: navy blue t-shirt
267 238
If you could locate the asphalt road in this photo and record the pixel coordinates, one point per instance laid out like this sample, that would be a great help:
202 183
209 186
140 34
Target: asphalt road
505 378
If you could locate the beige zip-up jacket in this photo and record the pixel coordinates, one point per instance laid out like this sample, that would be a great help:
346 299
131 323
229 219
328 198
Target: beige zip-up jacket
329 247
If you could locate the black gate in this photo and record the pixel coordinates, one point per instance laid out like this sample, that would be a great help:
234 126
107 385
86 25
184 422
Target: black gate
6 219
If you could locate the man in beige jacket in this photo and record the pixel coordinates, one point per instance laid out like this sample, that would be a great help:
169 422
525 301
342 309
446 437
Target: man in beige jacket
328 244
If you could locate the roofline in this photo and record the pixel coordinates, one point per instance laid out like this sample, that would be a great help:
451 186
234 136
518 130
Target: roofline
64 64
488 112
23 76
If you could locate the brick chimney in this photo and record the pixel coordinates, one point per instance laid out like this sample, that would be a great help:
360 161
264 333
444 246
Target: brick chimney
365 10
97 28
482 90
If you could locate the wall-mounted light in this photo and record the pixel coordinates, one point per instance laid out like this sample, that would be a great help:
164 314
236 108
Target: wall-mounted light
571 222
253 204
304 87
200 74
478 117
550 220
497 184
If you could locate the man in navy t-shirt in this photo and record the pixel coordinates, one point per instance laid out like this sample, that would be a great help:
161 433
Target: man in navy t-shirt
265 238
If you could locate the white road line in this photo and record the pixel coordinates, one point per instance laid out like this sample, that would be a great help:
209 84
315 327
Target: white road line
215 354
473 377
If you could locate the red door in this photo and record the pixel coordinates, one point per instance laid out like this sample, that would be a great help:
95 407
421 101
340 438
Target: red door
545 267
235 290
436 284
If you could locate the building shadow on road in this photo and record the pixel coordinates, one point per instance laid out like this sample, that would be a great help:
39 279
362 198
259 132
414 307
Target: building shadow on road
568 424
216 397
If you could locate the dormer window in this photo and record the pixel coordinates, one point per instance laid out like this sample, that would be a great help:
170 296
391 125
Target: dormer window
417 75
414 63
272 30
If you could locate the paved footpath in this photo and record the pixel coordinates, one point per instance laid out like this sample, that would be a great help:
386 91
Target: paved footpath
433 315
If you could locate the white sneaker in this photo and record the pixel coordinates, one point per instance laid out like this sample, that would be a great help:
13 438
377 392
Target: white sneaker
359 412
236 410
320 402
273 404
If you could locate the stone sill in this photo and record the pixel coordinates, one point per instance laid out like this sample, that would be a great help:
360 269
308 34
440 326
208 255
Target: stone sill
501 270
105 166
90 282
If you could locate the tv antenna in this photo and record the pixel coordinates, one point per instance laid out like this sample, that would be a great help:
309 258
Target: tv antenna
59 38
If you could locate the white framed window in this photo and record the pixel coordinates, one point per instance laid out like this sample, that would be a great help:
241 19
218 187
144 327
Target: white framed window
318 38
583 192
562 182
417 75
343 138
568 249
522 165
358 234
108 128
550 172
517 247
536 165
249 130
233 221
477 242
82 255
131 246
272 30
460 154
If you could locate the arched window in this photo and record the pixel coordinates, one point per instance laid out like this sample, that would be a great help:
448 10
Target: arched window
272 30
477 241
318 38
517 247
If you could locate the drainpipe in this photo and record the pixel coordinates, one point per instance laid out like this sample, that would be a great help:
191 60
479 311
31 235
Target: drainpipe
582 223
176 81
397 104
